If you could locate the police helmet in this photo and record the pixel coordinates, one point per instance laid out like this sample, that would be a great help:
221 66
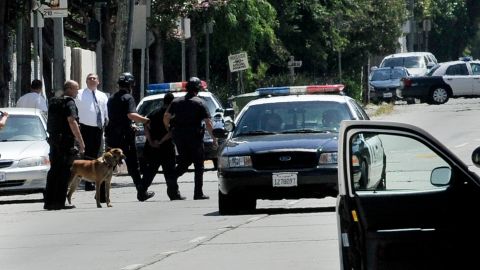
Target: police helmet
126 79
194 84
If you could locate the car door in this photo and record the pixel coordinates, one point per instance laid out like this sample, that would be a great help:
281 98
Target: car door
475 68
424 217
458 78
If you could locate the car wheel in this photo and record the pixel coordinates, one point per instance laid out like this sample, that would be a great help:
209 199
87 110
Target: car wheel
382 184
227 205
410 101
249 204
439 95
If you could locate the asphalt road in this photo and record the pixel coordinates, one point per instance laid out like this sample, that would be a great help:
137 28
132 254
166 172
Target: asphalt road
160 234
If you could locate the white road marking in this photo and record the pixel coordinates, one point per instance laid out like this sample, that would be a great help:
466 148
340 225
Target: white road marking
293 202
133 267
169 252
253 219
460 145
198 239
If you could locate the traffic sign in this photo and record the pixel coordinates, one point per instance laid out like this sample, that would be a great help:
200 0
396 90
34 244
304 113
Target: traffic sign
238 61
294 63
54 9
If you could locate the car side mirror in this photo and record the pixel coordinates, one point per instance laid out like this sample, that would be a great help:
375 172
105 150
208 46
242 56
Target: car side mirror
476 157
441 176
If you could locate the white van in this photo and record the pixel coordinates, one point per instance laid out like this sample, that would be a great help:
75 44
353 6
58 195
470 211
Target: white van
417 63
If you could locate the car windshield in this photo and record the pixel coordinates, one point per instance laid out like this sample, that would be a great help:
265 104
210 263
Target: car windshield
150 105
292 117
23 128
388 74
431 71
408 62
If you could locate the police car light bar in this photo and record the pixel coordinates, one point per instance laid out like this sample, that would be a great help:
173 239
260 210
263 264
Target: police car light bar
159 88
301 90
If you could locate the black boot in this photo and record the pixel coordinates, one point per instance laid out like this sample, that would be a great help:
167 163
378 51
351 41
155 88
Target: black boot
143 196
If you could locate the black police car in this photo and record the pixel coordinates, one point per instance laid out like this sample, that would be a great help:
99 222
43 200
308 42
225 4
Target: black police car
424 216
155 100
284 147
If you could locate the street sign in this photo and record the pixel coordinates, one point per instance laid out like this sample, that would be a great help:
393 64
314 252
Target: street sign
238 62
294 64
54 9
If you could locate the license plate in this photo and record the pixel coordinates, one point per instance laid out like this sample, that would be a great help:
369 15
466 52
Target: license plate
386 95
284 179
3 176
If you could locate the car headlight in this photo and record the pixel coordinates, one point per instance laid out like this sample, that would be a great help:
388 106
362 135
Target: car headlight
328 158
33 161
235 162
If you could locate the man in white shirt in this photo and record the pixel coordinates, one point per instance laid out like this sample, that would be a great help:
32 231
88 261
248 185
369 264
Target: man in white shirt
93 116
34 99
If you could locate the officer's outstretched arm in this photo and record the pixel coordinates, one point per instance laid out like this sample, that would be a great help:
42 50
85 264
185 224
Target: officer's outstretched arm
138 118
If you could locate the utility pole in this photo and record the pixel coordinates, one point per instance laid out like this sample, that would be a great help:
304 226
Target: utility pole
412 39
58 55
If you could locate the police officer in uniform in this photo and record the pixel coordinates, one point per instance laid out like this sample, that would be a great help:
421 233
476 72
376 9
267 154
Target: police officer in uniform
159 150
120 133
184 117
63 129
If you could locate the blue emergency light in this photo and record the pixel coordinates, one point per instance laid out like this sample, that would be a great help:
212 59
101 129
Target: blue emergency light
161 88
301 90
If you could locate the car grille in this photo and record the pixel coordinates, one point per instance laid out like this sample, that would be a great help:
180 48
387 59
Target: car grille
12 183
285 160
5 163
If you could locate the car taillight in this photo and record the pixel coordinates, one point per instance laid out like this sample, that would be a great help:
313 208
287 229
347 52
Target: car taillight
406 82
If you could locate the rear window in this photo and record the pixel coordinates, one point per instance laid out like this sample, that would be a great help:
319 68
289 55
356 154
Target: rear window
408 62
388 74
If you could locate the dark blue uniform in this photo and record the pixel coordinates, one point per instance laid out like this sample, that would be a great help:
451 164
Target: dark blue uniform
188 131
119 133
62 151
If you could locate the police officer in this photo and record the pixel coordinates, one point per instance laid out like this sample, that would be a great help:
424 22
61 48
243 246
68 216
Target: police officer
159 150
63 129
120 131
184 117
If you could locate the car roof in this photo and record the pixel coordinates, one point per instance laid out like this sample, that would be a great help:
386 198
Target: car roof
406 54
298 98
449 63
21 111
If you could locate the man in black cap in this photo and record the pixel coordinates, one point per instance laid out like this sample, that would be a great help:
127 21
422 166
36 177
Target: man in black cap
185 117
160 150
120 131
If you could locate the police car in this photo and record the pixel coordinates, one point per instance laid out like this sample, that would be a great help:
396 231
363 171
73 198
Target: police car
284 146
450 79
154 100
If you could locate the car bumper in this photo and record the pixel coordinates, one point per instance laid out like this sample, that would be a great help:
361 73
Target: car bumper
420 93
315 183
384 95
24 180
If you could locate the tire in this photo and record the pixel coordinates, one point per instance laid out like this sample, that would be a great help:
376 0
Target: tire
410 101
227 205
249 204
439 95
382 185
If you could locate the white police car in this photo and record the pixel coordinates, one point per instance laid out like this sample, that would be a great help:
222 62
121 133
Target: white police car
284 146
154 100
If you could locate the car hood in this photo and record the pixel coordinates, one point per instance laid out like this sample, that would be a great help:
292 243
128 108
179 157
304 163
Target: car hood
23 149
386 84
246 145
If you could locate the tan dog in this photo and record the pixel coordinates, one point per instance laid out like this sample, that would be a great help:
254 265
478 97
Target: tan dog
98 171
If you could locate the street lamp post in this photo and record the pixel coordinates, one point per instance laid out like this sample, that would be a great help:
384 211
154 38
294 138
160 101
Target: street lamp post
208 29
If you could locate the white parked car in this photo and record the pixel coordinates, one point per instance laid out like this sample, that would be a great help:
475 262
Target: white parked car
417 63
24 161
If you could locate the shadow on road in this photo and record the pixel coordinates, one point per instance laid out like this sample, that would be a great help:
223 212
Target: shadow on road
21 201
282 211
